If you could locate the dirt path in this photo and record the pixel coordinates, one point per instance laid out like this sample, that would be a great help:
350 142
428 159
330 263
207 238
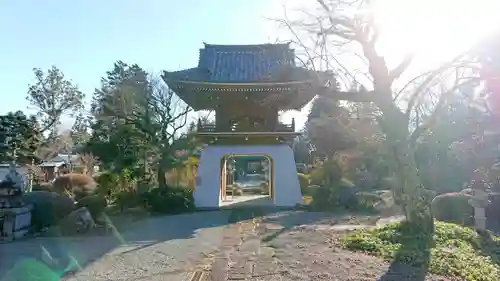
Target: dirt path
305 254
297 246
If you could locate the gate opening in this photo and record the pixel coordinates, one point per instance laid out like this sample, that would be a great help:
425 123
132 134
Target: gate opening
246 180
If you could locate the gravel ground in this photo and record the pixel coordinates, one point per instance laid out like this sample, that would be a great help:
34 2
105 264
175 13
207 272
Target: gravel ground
303 250
306 255
294 246
159 248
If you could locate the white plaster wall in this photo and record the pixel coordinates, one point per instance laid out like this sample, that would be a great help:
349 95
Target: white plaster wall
286 182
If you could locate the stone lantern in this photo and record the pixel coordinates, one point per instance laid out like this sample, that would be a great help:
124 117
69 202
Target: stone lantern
479 199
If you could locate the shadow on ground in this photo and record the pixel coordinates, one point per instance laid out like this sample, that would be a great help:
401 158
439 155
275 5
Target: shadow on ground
141 235
488 246
150 240
411 243
194 234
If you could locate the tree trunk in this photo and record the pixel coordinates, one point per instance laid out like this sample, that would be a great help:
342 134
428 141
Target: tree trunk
408 190
412 196
162 182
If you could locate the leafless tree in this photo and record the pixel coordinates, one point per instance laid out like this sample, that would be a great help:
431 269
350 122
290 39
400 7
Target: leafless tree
409 106
88 162
161 116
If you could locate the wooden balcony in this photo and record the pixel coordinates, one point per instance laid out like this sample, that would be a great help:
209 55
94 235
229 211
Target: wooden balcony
246 128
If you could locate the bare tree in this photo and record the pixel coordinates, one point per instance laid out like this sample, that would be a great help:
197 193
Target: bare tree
88 162
409 106
161 116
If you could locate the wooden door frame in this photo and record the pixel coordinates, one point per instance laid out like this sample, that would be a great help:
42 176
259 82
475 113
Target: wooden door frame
223 163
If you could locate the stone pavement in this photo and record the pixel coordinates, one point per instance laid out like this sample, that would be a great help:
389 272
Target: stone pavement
241 255
247 253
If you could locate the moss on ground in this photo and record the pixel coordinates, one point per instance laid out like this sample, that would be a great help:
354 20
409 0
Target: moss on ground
451 250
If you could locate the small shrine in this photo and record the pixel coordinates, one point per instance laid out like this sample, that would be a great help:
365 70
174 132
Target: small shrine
246 86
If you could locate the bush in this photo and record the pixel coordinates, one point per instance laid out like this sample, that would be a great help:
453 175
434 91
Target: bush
127 199
328 173
304 184
452 250
48 208
321 198
369 199
96 204
169 200
316 176
335 197
453 207
107 183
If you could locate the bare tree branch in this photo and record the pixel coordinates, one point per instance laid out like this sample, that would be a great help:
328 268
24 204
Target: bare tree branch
396 72
438 110
454 63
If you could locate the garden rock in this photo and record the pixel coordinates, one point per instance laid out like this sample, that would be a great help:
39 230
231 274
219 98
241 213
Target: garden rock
453 207
78 221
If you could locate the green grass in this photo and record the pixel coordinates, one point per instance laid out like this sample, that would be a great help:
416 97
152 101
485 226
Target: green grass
452 250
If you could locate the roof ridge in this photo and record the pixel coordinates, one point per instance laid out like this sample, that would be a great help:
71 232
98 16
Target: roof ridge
247 46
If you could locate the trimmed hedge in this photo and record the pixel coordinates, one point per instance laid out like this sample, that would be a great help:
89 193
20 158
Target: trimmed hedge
169 200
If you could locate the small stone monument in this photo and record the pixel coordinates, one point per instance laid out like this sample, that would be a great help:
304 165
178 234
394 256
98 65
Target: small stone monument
15 214
479 199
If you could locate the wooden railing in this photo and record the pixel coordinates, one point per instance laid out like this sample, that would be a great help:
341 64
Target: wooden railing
280 127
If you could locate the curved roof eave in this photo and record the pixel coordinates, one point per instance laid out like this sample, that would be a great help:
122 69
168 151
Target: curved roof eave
259 83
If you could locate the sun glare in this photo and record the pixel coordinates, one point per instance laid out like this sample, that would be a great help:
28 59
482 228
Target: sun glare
435 29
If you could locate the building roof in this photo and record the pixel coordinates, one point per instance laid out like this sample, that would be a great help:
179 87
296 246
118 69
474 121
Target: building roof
52 164
239 64
61 159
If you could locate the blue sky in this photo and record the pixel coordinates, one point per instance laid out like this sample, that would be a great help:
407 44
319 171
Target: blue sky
84 38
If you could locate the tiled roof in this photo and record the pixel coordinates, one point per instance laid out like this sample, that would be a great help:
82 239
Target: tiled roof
52 164
238 63
65 158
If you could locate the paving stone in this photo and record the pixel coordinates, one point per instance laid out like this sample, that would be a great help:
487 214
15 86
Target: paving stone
240 271
250 246
219 270
266 252
265 268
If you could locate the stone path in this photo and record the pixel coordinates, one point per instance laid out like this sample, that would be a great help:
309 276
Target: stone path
217 246
241 256
158 248
246 253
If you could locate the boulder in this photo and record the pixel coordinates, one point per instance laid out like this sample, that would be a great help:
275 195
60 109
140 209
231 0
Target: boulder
453 207
78 221
48 208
